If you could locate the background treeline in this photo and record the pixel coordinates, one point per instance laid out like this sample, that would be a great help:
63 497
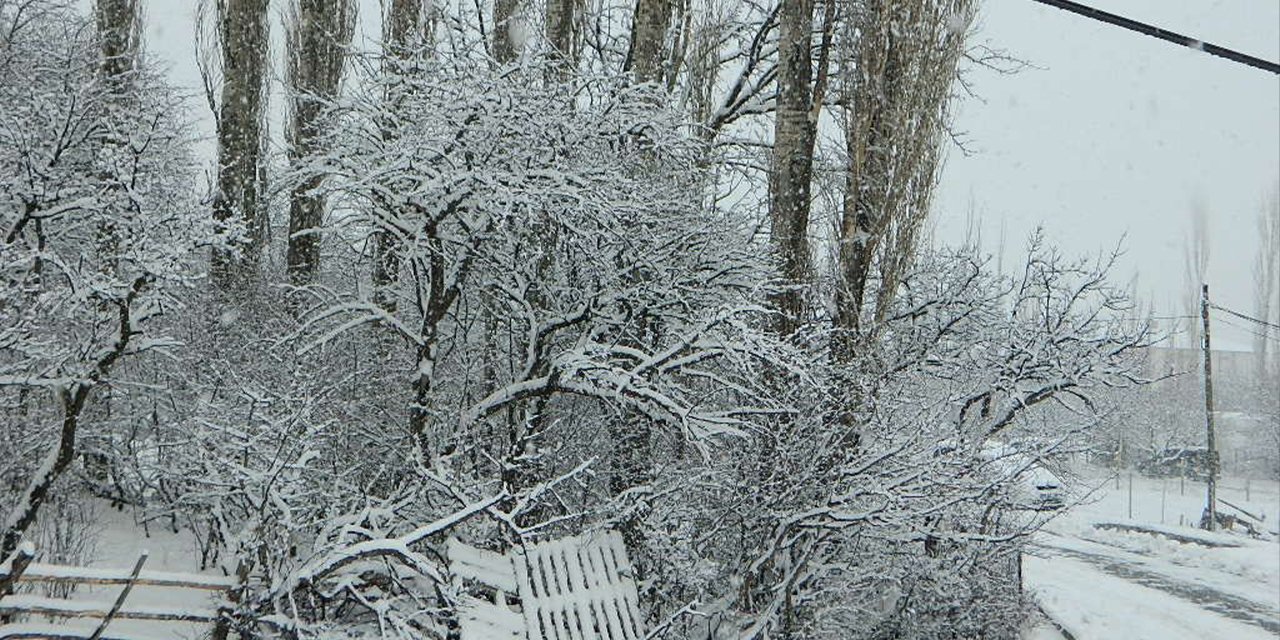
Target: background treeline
653 265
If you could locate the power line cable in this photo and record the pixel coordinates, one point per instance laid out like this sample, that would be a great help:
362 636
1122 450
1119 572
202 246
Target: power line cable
1245 317
1163 34
1245 329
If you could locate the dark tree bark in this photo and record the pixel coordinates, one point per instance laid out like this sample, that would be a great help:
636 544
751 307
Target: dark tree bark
649 38
902 68
119 25
242 30
402 27
791 168
119 34
561 31
318 41
402 40
73 400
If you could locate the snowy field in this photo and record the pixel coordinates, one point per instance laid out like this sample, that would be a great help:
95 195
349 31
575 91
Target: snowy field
1108 583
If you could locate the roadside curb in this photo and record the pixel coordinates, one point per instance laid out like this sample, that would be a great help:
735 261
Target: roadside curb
1053 621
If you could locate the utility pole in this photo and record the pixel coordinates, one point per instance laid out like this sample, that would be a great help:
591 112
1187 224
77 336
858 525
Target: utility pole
1211 509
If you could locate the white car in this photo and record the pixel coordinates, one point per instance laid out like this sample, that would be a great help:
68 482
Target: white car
1035 487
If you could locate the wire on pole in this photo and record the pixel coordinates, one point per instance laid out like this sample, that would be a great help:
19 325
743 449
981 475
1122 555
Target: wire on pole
1246 317
1163 34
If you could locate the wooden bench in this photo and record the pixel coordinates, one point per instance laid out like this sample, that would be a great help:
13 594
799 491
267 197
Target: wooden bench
576 588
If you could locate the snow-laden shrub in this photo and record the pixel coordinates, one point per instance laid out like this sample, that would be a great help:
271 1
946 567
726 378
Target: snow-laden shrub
97 237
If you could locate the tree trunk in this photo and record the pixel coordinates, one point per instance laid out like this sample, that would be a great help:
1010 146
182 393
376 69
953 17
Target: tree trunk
318 40
903 66
868 141
791 167
402 39
402 28
649 38
119 34
561 23
73 399
504 47
119 24
242 28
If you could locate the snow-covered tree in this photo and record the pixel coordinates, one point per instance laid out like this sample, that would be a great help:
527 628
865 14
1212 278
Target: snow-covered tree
900 67
549 305
97 226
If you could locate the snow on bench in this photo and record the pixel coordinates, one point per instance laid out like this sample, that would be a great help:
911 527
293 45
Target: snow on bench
54 573
569 589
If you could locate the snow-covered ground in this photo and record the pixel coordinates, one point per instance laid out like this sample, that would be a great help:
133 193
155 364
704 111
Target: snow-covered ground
1096 583
119 542
1109 583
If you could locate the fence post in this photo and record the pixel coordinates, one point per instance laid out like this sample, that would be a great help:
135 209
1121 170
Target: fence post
17 564
222 628
1164 490
124 593
1130 495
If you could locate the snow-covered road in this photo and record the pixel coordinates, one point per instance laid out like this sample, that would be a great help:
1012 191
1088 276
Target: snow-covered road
1099 576
1092 604
1047 557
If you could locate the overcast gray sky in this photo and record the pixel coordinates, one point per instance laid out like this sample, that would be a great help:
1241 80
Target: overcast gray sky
1111 134
1116 133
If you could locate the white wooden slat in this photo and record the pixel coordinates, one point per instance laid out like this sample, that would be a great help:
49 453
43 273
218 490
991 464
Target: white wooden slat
576 604
54 573
564 604
591 559
628 584
620 575
556 552
587 605
24 603
615 628
608 572
553 601
538 575
533 627
556 618
60 631
547 620
575 588
546 593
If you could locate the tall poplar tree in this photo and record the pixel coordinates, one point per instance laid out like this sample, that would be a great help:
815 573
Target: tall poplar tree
791 168
119 30
901 68
648 39
318 38
402 38
243 34
562 20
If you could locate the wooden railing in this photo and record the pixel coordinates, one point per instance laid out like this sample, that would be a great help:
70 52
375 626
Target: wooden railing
21 569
